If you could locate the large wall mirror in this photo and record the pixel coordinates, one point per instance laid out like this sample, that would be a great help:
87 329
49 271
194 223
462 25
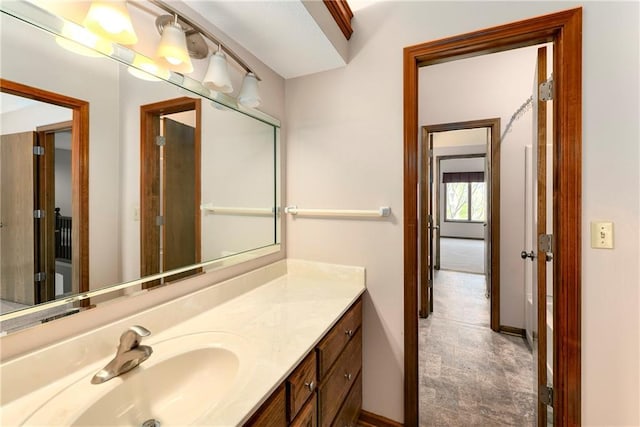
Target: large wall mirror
108 179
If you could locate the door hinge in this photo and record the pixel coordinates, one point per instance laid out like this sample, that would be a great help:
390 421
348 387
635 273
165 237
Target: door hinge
545 394
546 90
38 150
160 140
545 243
159 220
40 277
38 213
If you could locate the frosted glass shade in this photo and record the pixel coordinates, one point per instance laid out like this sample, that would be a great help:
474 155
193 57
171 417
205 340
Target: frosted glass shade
79 40
249 96
146 69
217 76
172 51
111 20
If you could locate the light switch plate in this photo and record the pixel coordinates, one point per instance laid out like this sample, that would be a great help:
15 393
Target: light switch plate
602 235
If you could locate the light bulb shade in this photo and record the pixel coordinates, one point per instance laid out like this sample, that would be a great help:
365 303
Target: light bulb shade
146 69
249 96
111 20
79 40
172 51
217 76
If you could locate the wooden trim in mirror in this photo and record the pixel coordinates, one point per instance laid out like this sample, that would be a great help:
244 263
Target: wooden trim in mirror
564 29
79 173
150 200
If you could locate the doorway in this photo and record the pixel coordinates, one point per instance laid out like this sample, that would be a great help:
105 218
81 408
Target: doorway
170 188
432 204
31 235
564 30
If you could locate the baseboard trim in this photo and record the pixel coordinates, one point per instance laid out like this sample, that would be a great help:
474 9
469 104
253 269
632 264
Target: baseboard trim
369 419
513 331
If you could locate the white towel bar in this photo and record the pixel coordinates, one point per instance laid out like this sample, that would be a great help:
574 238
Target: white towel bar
208 208
383 211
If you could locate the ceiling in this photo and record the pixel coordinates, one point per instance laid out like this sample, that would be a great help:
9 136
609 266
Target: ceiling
282 34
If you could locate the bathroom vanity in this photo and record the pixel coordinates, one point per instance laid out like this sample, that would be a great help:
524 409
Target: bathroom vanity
281 345
326 387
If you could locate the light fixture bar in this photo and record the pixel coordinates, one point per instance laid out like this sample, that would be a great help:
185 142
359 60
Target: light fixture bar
172 11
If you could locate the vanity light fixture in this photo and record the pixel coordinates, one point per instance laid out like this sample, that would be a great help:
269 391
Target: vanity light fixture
217 77
111 20
172 51
249 96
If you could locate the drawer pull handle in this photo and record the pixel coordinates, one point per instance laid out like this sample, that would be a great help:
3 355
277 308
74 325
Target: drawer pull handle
349 332
347 376
310 385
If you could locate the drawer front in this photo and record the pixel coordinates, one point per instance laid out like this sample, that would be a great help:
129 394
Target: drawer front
350 411
340 335
308 416
339 380
272 413
301 384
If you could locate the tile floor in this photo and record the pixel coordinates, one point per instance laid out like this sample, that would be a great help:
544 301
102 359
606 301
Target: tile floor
470 375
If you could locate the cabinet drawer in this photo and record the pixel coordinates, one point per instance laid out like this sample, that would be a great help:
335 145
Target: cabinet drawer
339 381
272 413
350 411
308 415
301 384
331 346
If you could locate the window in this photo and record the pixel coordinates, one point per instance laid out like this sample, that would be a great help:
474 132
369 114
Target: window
465 196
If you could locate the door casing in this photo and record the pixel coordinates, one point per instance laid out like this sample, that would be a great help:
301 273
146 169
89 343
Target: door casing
493 211
150 180
564 29
79 175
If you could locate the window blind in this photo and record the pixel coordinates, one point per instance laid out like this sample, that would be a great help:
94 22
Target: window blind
462 177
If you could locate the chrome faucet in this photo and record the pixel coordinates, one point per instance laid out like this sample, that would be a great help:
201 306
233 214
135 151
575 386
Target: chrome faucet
129 355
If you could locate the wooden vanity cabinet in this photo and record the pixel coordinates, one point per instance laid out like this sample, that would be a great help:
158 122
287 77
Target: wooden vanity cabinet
339 381
325 389
272 413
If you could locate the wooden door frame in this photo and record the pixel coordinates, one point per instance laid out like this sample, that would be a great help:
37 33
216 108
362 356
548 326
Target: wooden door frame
493 153
564 29
79 173
46 197
150 182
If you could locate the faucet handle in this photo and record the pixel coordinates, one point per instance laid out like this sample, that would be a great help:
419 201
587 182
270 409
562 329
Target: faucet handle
140 330
131 338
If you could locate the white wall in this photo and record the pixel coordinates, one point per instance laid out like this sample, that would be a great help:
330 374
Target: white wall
63 181
345 150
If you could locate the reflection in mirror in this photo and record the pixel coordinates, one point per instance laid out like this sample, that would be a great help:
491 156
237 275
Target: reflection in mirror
31 185
172 180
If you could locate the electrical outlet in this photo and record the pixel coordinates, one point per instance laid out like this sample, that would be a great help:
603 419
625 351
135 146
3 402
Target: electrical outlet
602 235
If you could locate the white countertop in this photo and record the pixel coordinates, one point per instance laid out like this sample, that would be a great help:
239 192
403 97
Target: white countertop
280 321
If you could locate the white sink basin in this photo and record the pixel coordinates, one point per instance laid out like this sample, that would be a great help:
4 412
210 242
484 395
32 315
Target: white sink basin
185 379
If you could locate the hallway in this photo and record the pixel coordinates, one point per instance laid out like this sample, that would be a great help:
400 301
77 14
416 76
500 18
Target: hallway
468 374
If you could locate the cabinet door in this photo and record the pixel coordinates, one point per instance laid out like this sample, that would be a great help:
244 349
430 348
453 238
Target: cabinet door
307 417
339 381
272 413
350 411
